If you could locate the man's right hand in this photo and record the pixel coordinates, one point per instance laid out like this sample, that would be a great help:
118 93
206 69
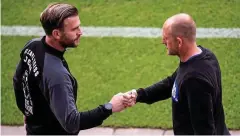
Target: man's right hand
117 103
129 98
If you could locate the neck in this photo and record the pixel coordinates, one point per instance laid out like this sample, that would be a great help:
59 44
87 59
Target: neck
53 43
191 50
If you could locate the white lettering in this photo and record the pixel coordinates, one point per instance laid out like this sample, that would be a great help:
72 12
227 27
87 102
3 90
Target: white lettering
29 65
26 58
36 74
25 51
31 62
29 109
27 96
33 56
30 53
34 63
35 69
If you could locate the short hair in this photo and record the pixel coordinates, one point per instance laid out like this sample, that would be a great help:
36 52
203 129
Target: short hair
55 14
184 29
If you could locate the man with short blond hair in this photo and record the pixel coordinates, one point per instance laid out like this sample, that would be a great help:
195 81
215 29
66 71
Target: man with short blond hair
195 87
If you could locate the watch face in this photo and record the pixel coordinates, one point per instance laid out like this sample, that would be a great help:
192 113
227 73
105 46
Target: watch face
108 106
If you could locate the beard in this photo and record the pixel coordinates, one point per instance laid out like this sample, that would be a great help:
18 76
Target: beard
68 42
171 52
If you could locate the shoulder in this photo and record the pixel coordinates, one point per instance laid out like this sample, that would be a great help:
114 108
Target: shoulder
31 46
53 65
197 78
33 42
208 57
55 76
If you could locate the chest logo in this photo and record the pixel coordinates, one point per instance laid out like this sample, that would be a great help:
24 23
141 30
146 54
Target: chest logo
175 92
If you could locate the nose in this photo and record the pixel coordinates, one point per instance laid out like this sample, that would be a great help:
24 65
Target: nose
80 32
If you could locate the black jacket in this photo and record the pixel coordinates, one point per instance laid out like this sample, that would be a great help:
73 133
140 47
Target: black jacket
46 93
196 91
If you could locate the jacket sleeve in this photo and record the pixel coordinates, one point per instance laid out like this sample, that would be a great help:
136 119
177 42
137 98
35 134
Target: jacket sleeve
63 105
156 92
200 103
17 86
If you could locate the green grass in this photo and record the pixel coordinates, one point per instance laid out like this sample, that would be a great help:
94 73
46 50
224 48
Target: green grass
213 13
106 66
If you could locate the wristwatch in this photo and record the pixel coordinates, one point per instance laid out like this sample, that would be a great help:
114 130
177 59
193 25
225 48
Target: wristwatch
108 106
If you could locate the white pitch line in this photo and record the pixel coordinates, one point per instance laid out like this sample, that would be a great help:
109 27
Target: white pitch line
146 32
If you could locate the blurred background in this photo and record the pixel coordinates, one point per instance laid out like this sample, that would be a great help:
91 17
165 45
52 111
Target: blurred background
105 66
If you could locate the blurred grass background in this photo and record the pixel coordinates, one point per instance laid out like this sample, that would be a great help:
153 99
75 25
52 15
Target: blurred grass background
146 13
106 66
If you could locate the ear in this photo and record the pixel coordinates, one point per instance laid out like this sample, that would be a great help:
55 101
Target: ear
180 41
56 34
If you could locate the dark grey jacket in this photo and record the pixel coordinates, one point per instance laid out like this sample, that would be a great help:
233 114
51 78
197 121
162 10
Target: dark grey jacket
46 93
